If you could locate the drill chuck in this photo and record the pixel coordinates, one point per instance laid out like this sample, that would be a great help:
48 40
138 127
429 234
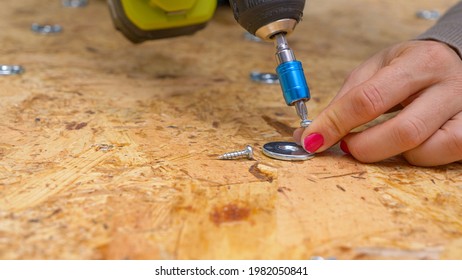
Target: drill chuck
265 18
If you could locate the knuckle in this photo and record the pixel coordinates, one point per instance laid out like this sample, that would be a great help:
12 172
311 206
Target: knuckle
410 133
369 102
452 143
401 72
434 56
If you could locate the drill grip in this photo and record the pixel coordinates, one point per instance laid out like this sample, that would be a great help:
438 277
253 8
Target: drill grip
253 14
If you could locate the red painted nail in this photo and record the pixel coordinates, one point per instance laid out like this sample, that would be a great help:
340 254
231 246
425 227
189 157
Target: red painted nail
344 147
313 142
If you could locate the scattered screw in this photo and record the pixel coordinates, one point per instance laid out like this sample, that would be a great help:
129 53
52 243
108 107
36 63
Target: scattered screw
74 3
428 14
11 69
247 152
264 78
103 147
46 28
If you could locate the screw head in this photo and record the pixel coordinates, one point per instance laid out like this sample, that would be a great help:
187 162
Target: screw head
305 123
249 151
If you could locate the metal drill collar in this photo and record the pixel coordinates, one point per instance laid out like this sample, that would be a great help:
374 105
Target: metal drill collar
285 26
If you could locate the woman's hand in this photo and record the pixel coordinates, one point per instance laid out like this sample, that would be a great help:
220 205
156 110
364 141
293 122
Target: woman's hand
424 77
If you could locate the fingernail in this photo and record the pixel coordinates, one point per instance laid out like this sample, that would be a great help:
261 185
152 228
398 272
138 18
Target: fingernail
313 142
344 147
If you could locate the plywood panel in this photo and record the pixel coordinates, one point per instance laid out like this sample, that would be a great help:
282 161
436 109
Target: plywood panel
107 149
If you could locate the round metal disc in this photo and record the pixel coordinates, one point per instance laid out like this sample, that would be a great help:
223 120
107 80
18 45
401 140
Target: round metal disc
11 69
286 151
264 78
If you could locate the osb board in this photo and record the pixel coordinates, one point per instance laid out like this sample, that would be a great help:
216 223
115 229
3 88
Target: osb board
108 149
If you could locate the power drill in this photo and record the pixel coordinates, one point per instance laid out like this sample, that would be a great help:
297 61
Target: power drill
270 20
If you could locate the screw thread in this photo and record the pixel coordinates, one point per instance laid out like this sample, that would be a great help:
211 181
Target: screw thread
233 155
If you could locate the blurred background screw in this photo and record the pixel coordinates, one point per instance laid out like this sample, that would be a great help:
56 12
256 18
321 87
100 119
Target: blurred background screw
264 78
74 3
46 29
428 14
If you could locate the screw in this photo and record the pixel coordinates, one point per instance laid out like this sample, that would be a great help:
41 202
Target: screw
74 3
248 151
428 14
305 123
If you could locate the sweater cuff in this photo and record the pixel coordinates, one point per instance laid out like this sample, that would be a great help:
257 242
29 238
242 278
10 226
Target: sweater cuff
446 32
448 29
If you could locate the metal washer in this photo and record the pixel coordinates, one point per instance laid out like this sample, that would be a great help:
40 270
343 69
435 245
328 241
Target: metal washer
264 78
286 151
46 28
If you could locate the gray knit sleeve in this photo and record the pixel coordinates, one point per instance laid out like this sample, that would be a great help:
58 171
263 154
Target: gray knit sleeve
448 29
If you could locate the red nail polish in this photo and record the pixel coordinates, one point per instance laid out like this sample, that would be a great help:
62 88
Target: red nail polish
313 142
344 147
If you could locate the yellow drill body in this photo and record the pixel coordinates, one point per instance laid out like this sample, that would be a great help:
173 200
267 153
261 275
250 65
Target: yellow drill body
141 20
